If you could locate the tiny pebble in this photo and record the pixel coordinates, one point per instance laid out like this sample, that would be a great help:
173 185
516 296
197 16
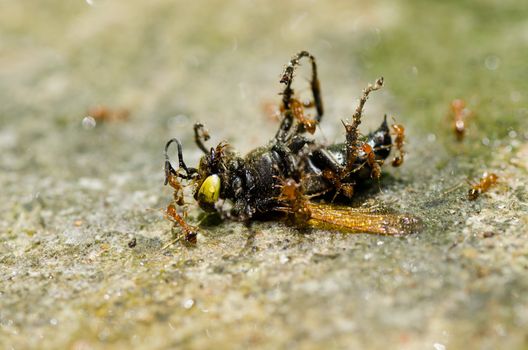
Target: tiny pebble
188 303
488 234
438 346
88 122
132 243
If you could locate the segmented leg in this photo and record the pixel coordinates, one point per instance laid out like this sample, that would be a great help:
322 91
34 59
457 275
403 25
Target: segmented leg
287 94
358 155
200 136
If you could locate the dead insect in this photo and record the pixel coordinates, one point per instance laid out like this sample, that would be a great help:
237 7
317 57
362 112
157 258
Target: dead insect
460 113
292 171
487 180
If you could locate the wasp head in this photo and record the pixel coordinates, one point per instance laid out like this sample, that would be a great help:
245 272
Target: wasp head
214 174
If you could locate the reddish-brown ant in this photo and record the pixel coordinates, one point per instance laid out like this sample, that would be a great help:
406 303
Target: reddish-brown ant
106 114
297 108
345 189
291 193
373 163
460 113
488 180
189 232
399 140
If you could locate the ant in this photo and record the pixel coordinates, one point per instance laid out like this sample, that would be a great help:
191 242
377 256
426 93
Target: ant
105 114
460 112
399 140
292 194
488 180
374 164
297 108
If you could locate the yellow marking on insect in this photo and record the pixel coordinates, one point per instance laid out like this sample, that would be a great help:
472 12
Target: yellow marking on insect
210 190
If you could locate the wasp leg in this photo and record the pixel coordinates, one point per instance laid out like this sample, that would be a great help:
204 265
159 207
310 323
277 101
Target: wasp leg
287 94
353 144
317 98
200 136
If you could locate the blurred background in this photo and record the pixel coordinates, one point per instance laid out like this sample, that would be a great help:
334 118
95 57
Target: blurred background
91 90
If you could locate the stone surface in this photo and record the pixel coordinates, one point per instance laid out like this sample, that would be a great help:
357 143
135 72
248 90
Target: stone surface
76 193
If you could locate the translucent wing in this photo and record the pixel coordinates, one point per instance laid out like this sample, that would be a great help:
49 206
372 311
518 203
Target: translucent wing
360 220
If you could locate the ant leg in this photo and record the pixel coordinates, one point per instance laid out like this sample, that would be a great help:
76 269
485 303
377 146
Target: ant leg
287 93
200 136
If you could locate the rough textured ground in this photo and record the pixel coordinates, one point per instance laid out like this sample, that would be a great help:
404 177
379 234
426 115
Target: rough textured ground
74 196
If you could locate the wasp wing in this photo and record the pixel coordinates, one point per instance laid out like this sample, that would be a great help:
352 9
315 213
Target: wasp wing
360 220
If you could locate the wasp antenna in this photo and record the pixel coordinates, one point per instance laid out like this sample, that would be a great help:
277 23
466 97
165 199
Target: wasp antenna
168 166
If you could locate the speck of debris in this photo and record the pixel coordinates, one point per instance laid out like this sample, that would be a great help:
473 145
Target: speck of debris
488 234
